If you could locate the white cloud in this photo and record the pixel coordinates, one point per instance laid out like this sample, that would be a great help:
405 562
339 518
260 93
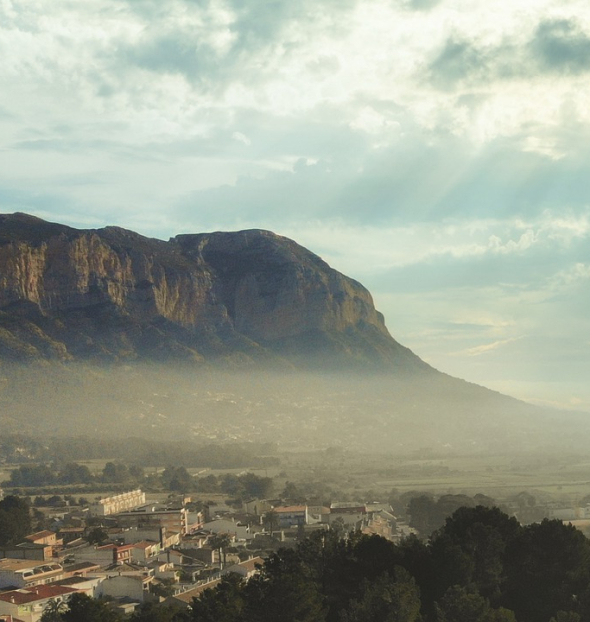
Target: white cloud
485 348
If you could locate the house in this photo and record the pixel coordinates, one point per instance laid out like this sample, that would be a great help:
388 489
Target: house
88 585
44 537
156 534
28 550
185 599
291 516
227 526
350 515
258 507
132 586
27 604
246 569
105 555
318 514
22 573
144 551
69 534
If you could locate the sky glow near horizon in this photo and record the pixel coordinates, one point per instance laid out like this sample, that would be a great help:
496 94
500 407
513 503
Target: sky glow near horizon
435 150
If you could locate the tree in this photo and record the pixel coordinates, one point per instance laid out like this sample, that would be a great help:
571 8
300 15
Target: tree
115 473
97 535
471 549
271 520
82 608
549 568
225 603
53 610
15 520
284 591
386 600
566 616
220 542
290 491
461 605
152 612
422 511
73 473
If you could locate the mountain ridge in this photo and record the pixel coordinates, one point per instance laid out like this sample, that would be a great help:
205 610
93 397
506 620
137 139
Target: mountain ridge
134 335
245 296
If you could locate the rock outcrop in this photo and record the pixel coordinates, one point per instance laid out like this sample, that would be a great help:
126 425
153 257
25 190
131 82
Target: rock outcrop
239 297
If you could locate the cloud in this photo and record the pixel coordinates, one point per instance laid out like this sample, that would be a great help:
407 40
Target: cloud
423 5
554 46
561 45
485 348
458 60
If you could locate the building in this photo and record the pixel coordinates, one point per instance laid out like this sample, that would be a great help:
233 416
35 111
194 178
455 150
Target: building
27 604
258 507
117 503
44 537
291 516
28 550
22 573
144 551
172 519
129 586
246 569
104 555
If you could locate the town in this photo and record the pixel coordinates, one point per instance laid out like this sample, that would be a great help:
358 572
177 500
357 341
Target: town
128 549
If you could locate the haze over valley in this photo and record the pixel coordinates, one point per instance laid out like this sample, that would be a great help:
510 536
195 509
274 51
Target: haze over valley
228 337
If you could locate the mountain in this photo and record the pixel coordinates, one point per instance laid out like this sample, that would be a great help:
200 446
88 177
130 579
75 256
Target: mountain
249 296
226 336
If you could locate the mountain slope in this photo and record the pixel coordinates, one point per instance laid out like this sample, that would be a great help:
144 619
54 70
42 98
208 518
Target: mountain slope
248 296
170 314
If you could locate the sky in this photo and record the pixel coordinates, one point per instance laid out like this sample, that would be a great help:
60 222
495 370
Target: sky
438 151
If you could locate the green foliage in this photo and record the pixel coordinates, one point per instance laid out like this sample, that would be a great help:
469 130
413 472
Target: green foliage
151 612
226 603
115 473
548 566
247 486
73 473
177 479
566 616
285 591
15 520
97 536
82 608
32 475
461 605
53 610
386 600
427 515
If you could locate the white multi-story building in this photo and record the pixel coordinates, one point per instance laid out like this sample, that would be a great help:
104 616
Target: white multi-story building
118 503
22 573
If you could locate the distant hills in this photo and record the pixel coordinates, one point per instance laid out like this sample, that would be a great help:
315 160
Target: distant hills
220 337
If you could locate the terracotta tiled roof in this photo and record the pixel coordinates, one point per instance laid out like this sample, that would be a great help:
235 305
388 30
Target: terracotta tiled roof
39 535
144 544
39 592
187 597
290 508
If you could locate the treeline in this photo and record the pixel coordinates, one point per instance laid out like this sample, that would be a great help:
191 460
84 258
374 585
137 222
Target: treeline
481 566
117 474
17 448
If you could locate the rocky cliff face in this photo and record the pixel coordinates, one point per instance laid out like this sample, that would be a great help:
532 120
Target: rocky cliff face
245 296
